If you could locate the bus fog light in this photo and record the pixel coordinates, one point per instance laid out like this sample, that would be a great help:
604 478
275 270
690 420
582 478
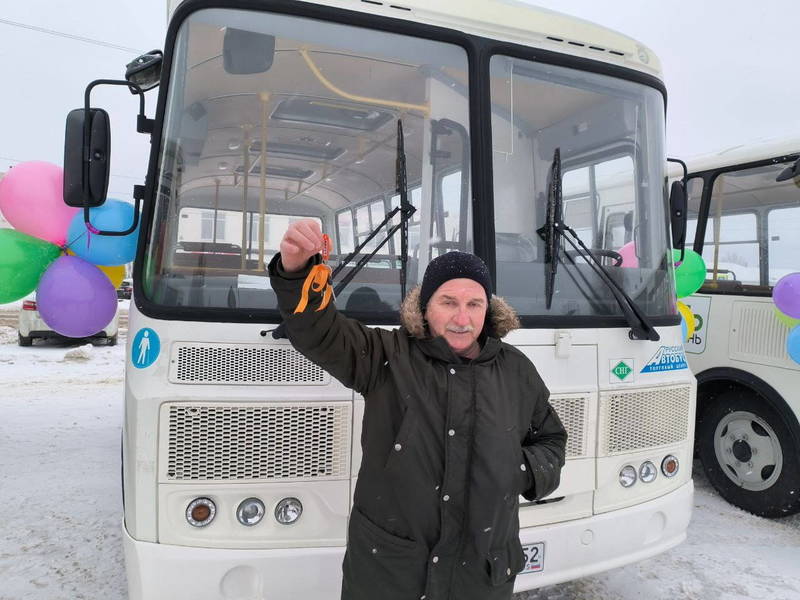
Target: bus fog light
670 466
200 512
250 512
288 511
627 476
648 472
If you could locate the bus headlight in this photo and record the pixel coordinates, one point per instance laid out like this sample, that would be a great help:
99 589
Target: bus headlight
670 466
250 512
627 476
288 511
201 512
647 472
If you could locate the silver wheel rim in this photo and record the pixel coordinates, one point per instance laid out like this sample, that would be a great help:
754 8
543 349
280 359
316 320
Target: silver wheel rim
748 451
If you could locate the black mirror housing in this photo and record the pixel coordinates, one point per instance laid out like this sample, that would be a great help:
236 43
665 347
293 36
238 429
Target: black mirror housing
145 70
247 52
86 185
677 213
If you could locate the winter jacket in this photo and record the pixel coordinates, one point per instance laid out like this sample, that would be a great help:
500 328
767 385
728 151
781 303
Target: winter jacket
448 447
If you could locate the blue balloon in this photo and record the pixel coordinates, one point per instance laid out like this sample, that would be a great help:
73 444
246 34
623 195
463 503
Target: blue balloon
106 250
793 344
684 329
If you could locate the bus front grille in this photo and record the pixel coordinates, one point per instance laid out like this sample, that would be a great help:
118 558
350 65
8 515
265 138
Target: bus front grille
639 419
242 364
235 442
573 412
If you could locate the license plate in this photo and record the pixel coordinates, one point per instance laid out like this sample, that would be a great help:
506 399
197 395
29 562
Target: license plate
534 558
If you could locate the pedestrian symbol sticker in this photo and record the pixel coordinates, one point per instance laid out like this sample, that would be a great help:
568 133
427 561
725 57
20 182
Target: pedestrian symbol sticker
145 348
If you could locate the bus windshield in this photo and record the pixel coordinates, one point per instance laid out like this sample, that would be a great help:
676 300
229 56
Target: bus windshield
272 118
609 134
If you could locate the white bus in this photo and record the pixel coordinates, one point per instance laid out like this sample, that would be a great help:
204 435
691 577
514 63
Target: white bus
744 214
458 119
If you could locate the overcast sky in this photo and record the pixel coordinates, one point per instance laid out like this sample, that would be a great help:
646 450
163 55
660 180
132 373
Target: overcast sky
729 69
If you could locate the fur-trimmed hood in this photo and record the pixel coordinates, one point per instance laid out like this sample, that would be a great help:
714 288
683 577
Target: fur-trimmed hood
502 317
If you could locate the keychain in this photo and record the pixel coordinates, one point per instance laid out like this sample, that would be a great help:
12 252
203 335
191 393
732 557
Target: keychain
318 279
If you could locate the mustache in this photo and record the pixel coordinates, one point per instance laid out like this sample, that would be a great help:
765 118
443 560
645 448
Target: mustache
465 329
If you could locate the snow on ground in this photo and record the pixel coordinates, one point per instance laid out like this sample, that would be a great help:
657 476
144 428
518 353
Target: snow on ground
60 504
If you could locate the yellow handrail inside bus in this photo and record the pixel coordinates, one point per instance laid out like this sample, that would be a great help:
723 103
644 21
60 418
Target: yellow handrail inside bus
423 108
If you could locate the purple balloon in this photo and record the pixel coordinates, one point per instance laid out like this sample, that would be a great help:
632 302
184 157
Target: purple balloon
786 295
75 298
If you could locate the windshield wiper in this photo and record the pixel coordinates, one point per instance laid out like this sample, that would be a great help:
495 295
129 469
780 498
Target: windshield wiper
554 230
406 210
548 231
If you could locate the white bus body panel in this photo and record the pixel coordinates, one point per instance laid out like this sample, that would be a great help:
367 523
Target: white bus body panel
741 332
573 549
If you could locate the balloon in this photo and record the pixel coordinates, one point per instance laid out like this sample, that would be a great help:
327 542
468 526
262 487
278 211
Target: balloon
687 318
785 319
75 298
115 274
690 274
786 295
628 254
23 259
106 250
32 200
793 344
684 330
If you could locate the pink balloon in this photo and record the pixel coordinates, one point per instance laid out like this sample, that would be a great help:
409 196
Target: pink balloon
32 200
628 254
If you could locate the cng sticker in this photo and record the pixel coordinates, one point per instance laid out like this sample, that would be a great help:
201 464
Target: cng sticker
145 348
622 370
667 358
700 307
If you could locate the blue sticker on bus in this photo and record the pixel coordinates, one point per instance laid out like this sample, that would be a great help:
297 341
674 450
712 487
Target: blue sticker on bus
145 348
668 358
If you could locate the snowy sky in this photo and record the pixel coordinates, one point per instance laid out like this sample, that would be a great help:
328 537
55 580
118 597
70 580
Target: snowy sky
729 68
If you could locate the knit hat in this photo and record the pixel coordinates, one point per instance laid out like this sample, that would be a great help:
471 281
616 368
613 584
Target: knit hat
454 265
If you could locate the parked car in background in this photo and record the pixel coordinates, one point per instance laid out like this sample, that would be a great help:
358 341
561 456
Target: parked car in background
31 326
125 289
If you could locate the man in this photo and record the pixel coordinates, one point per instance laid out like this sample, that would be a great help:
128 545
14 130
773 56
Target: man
457 425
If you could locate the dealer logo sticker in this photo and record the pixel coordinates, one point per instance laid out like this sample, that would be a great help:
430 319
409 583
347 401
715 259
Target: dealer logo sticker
145 348
668 358
622 370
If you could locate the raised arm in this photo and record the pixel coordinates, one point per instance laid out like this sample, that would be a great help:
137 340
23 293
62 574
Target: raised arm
349 351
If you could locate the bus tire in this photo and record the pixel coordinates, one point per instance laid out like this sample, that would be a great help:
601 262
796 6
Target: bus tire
750 453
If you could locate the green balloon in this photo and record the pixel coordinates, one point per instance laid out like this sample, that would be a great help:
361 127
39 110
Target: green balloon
23 260
786 319
690 274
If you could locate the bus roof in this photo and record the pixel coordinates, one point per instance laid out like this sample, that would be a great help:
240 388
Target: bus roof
744 153
511 21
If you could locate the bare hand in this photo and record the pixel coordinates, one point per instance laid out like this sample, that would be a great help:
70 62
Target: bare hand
301 241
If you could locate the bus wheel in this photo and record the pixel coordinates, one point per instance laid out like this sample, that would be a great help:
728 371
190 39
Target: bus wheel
750 453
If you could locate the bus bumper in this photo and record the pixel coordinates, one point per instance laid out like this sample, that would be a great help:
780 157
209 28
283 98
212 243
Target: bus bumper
161 571
575 549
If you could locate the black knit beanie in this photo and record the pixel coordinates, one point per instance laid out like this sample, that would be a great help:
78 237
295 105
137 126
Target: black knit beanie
454 265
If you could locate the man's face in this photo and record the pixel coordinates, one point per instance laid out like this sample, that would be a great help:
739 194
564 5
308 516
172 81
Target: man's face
457 311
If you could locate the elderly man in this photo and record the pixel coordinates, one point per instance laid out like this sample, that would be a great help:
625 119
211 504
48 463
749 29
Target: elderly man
457 425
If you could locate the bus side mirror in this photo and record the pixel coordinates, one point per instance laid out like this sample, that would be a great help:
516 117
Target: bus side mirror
86 184
145 70
789 172
247 52
677 214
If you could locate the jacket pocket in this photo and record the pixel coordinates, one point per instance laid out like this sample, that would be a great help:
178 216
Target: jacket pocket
380 563
505 562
